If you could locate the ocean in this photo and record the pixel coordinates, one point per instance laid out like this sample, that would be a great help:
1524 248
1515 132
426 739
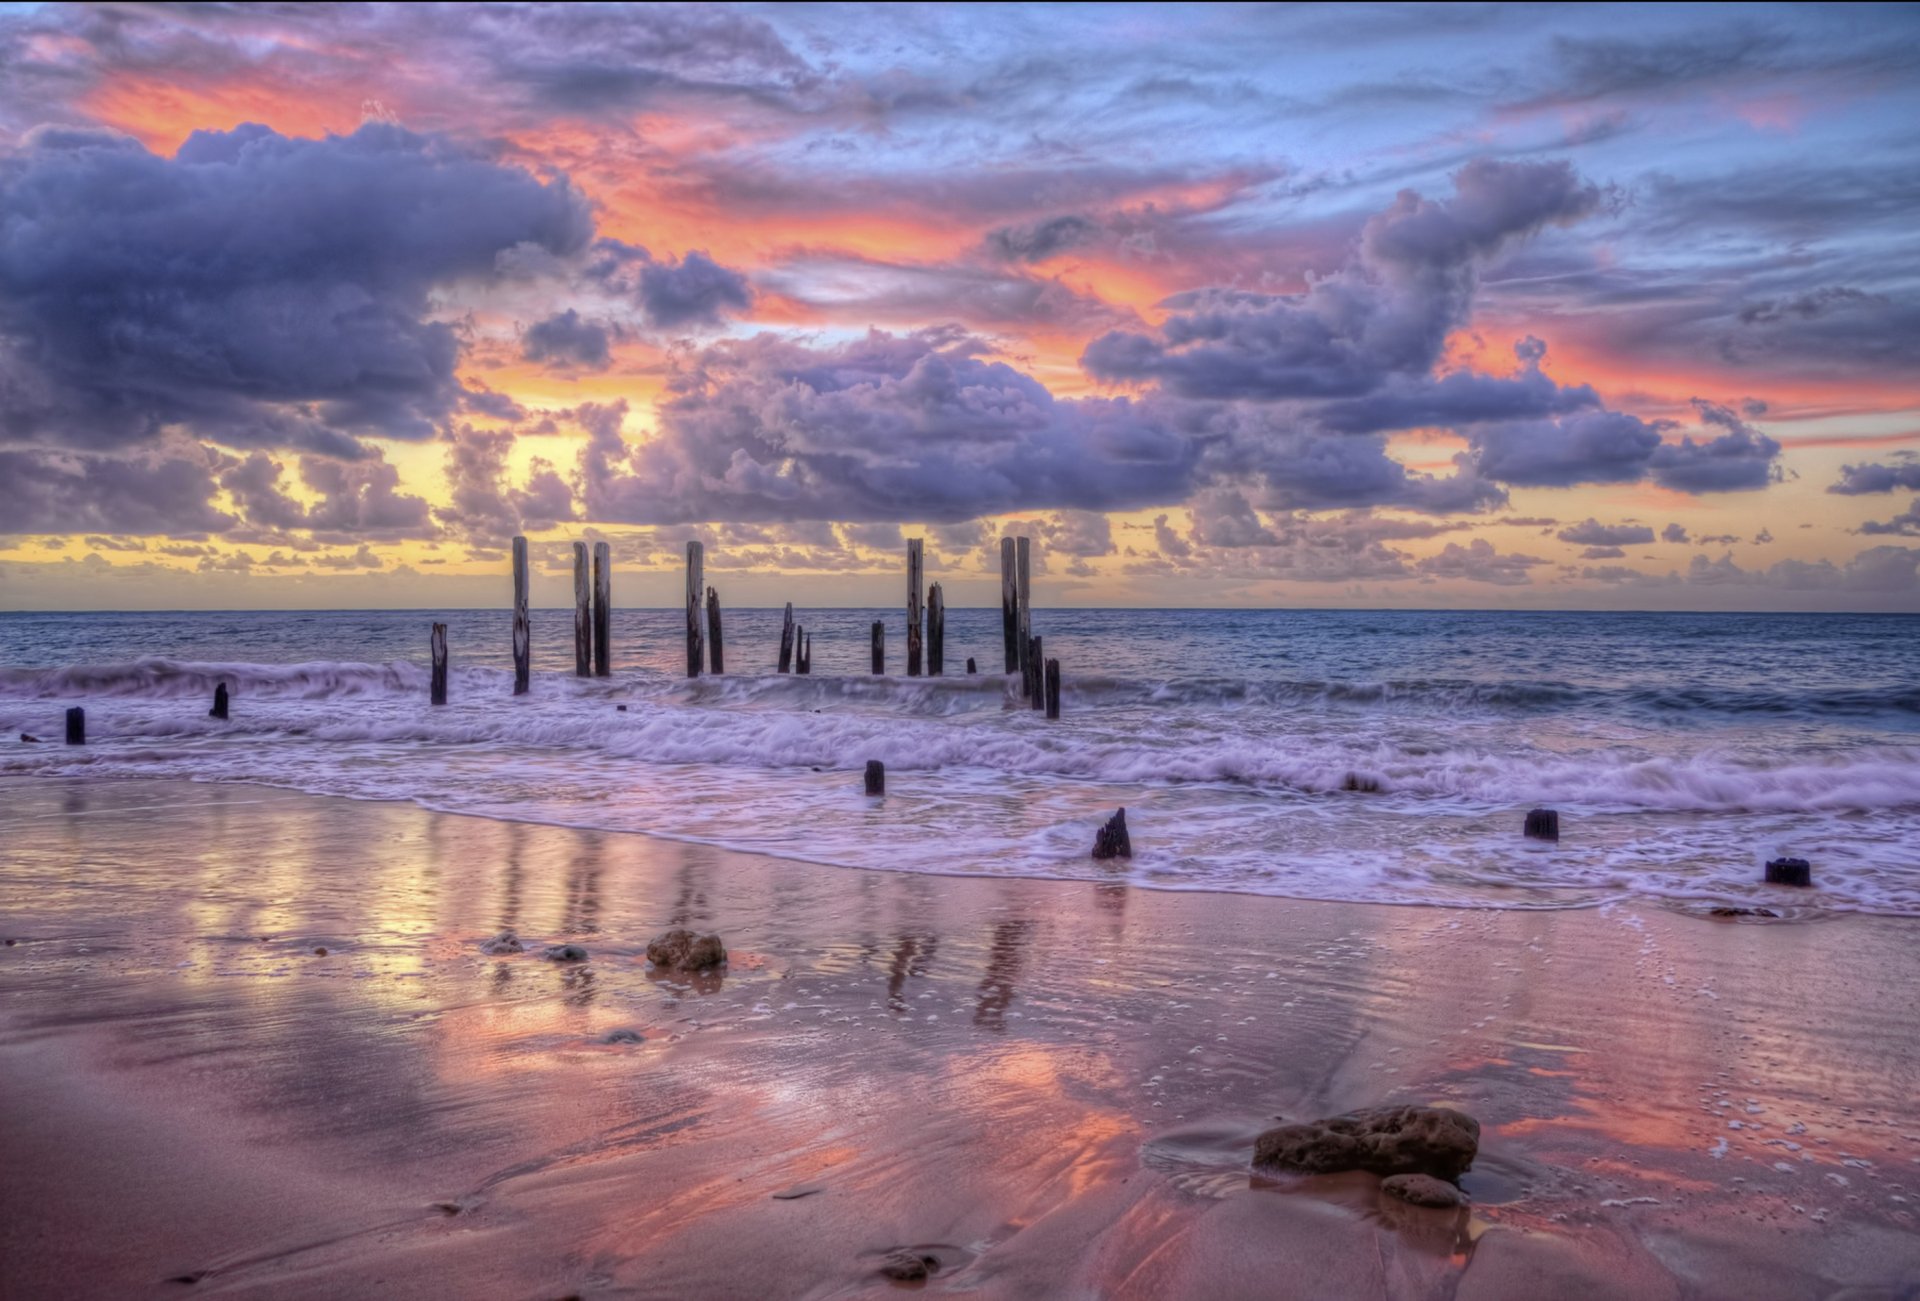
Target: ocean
1385 756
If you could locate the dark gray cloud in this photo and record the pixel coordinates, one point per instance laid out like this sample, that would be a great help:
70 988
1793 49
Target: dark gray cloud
161 490
1902 474
695 291
1740 459
1586 447
569 339
1905 524
254 289
1036 241
1674 533
1479 562
1592 533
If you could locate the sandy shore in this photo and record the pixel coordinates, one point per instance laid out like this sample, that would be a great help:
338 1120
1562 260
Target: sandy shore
1051 1087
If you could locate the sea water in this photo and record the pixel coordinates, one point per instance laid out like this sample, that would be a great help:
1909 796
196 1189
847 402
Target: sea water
1359 755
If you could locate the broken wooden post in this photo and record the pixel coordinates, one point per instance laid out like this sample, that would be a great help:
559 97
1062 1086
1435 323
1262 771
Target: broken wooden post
876 777
1009 605
1112 841
76 726
786 640
1053 688
602 610
879 648
1790 871
582 614
1542 824
1035 676
803 641
936 632
713 631
970 665
437 692
696 586
522 630
219 709
916 556
1023 614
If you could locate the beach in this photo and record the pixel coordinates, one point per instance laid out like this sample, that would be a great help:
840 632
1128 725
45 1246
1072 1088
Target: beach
1052 1088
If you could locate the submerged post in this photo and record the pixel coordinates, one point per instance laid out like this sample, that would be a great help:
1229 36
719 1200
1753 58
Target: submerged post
876 777
1023 614
1542 824
437 692
970 665
696 586
76 726
1053 688
915 560
522 629
879 648
786 640
713 631
936 632
1009 604
602 610
582 614
1036 687
219 709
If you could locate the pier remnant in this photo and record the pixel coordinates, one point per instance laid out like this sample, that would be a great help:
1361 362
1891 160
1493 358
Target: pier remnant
1032 676
1053 688
1790 871
219 709
437 690
916 560
971 666
714 651
1023 614
879 648
876 777
1112 841
76 726
582 613
696 587
602 610
1009 604
786 640
803 643
936 632
1542 824
522 629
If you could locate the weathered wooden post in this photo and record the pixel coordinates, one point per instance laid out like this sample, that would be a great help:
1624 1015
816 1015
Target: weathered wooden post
1112 840
1789 871
786 640
714 650
522 629
971 668
1542 824
936 632
582 614
1023 616
1009 604
879 648
1053 688
915 560
1036 687
219 709
437 692
696 587
803 643
76 726
602 610
876 777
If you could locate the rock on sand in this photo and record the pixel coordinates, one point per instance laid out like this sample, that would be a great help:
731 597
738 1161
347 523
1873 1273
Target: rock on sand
1423 1190
682 950
1379 1140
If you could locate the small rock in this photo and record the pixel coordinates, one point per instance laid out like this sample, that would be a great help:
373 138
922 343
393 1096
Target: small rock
1379 1140
798 1191
31 740
1423 1190
909 1266
505 942
1727 911
320 952
565 953
1112 841
621 708
682 950
622 1037
11 943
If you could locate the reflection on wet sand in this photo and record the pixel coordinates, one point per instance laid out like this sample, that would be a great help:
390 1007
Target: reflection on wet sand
1055 1093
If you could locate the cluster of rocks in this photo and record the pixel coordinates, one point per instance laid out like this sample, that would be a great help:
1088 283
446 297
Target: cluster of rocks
1418 1151
674 950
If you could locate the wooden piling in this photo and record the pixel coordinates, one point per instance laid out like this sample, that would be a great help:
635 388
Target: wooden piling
936 632
1112 840
602 610
1023 613
219 709
916 560
971 666
1009 605
1053 688
879 648
803 649
1035 683
696 588
76 726
713 632
522 629
1542 824
876 777
786 640
582 614
1790 871
437 692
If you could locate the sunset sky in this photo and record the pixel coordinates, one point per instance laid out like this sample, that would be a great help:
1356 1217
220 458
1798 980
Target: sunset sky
1473 305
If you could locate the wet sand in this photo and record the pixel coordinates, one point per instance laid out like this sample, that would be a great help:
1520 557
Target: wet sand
1052 1088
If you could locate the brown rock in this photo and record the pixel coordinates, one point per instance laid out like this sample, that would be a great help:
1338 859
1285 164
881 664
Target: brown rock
682 950
1423 1190
503 943
909 1266
1379 1140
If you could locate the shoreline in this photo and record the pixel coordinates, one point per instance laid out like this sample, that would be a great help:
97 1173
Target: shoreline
1053 1086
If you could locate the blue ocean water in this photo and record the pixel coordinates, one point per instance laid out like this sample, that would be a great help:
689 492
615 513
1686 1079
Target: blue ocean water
1364 755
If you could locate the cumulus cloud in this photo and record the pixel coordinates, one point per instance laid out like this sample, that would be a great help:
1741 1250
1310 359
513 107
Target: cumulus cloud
1674 533
1740 459
1903 473
1905 524
483 507
161 490
694 293
1479 562
567 338
1592 533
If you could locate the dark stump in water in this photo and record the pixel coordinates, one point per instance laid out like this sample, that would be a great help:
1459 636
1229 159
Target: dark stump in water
219 709
682 950
1542 824
876 777
1112 841
1379 1140
1789 871
1423 1190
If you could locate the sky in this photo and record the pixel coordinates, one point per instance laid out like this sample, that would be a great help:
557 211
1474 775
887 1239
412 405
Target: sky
1550 306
